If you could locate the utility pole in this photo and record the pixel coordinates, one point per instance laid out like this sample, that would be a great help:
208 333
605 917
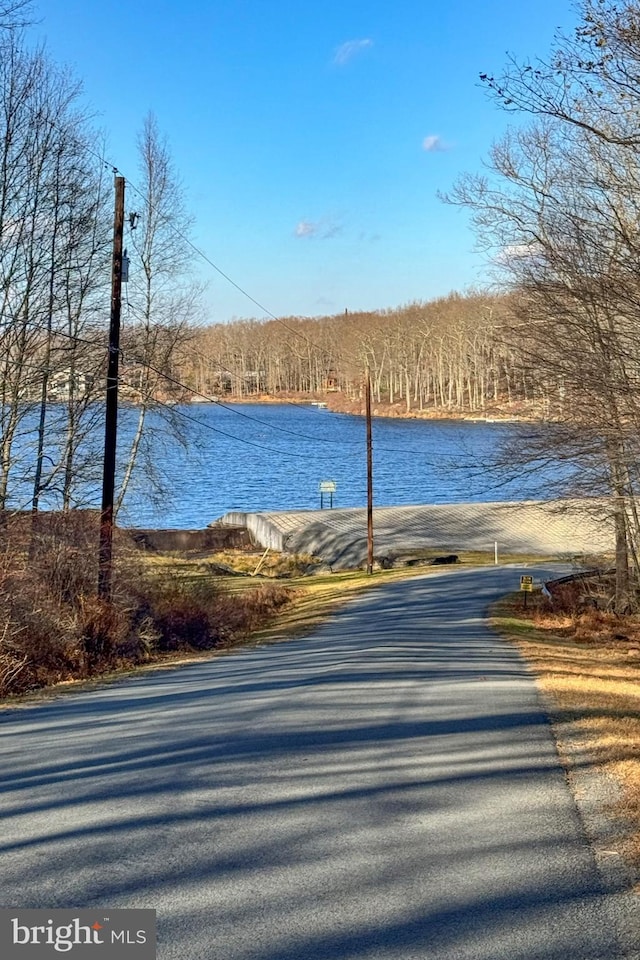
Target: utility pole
111 408
367 402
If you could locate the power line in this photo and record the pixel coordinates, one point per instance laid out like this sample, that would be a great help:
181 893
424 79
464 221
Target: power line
117 172
433 460
191 351
379 446
208 426
226 276
247 416
178 383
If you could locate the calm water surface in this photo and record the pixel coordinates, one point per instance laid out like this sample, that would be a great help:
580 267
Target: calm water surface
272 457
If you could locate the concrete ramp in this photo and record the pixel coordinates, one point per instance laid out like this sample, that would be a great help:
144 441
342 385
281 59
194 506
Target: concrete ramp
339 537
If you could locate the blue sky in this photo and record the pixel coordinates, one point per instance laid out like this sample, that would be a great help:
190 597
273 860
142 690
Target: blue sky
311 137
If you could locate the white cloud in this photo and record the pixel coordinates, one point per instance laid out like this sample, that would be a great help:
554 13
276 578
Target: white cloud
324 229
305 229
347 51
519 252
434 143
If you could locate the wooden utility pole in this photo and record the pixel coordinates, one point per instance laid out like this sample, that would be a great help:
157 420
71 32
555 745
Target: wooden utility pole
111 408
367 402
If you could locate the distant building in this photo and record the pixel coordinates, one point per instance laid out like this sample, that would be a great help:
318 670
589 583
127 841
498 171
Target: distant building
68 384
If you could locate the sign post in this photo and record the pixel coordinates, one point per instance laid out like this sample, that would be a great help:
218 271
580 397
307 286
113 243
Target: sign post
526 587
327 486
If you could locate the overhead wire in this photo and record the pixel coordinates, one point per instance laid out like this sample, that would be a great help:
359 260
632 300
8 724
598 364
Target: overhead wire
208 426
178 383
225 275
247 416
298 406
187 240
183 386
201 423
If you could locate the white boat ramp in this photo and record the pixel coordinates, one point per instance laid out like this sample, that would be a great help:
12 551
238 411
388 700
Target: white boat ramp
553 528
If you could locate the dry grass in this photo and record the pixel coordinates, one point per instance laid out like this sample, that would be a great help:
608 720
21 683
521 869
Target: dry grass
55 630
589 668
273 565
314 596
194 565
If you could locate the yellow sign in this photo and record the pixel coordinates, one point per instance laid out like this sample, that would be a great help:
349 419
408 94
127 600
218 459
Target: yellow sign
526 583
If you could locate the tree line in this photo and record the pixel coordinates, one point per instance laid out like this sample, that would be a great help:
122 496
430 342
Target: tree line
445 355
557 211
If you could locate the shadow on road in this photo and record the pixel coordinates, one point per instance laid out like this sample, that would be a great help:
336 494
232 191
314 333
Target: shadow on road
385 789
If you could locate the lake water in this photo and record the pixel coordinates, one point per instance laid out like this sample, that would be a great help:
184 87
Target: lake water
253 457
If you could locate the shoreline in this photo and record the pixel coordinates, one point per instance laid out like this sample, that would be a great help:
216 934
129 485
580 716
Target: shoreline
337 403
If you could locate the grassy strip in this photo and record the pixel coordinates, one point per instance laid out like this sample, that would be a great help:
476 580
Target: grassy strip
314 597
310 601
168 609
588 666
293 569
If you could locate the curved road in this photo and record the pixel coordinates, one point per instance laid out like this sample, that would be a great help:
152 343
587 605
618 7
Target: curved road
387 789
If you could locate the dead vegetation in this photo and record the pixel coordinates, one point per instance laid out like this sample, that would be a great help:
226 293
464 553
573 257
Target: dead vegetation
53 627
54 630
587 662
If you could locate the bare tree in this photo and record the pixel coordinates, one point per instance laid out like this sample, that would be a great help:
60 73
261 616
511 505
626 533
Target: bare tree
15 14
35 99
52 256
162 300
558 211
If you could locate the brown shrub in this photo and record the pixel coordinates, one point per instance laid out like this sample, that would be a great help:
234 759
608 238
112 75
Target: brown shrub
102 628
203 616
583 593
39 645
62 555
182 619
53 627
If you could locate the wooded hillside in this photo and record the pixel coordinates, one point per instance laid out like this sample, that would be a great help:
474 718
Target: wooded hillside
450 354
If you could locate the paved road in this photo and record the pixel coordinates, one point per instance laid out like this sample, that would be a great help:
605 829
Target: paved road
385 790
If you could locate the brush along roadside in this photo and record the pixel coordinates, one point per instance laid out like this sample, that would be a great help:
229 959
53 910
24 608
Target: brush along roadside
168 608
55 630
178 613
316 594
587 665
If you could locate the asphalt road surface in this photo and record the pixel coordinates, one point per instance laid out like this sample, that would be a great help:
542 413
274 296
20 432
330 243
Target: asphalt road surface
387 789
